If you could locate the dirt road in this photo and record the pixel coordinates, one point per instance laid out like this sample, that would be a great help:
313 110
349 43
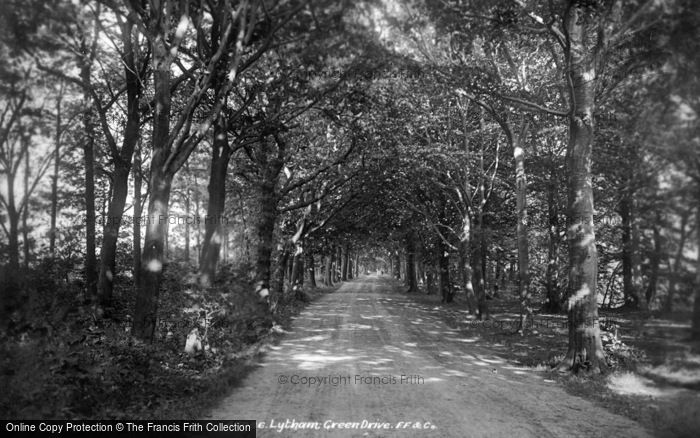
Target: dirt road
364 361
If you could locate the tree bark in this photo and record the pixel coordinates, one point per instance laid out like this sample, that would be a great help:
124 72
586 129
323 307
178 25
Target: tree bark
296 278
265 229
631 271
54 177
120 176
12 277
13 217
344 262
338 264
397 269
476 261
695 325
654 261
522 233
677 262
187 226
327 274
136 245
155 242
553 300
411 263
429 280
585 346
281 273
446 290
153 257
311 267
90 226
221 154
25 211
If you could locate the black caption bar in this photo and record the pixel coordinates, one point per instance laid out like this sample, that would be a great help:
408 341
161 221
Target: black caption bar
166 428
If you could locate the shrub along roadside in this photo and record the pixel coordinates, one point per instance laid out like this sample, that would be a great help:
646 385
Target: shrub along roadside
60 361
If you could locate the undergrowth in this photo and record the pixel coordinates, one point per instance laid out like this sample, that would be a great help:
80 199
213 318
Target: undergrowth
60 360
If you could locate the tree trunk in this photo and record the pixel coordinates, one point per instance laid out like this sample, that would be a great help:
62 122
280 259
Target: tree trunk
695 327
280 273
429 280
25 210
221 154
54 177
585 346
198 234
654 261
265 229
497 275
344 262
112 223
122 166
397 269
522 234
553 300
446 290
89 163
13 244
411 264
465 270
296 278
631 271
476 260
136 245
337 265
327 272
11 290
676 267
187 227
153 258
311 267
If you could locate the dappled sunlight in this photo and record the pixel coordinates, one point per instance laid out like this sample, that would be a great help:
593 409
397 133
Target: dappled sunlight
433 380
454 373
633 384
433 367
676 373
338 315
491 361
378 336
323 330
351 326
318 361
579 295
154 265
375 317
664 323
375 362
314 338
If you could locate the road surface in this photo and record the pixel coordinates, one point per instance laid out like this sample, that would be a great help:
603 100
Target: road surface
368 362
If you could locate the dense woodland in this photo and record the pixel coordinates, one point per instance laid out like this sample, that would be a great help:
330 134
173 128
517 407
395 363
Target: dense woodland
252 151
